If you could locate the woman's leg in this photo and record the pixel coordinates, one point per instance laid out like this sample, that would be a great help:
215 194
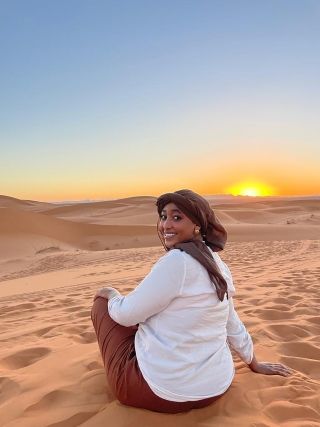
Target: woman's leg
116 343
139 394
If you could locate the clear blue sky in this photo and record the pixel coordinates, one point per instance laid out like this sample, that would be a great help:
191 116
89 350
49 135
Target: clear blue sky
112 98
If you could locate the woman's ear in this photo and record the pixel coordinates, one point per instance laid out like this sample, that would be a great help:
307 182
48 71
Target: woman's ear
196 229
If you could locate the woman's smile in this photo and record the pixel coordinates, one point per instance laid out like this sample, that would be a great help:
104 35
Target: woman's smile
169 235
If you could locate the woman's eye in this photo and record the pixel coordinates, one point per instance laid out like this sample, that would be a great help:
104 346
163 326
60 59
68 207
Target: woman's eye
175 217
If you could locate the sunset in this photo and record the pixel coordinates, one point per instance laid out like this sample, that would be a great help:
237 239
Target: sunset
160 213
201 105
251 189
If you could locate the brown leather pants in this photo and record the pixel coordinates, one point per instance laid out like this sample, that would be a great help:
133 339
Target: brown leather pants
116 344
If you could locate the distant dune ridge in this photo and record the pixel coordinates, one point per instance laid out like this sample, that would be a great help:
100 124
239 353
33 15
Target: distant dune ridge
53 256
131 222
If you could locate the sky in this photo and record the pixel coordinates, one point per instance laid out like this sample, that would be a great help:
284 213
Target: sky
107 99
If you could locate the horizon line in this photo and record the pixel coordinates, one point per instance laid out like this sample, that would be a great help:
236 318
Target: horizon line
224 195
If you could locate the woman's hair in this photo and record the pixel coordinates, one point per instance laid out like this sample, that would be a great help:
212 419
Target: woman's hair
214 235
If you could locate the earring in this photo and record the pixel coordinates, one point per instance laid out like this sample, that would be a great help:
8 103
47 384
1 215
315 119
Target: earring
197 230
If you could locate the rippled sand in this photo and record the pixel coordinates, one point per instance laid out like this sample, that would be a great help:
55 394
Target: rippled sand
51 373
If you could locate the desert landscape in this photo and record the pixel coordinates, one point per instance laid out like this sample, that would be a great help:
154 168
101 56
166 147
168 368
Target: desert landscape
53 257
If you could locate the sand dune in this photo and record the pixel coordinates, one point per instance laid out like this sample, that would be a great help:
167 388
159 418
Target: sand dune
29 227
54 257
7 201
38 230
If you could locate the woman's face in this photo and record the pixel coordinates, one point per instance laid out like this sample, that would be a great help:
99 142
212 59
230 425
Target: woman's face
175 226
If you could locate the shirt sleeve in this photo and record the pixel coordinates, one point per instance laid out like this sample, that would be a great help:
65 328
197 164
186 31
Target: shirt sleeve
153 294
237 335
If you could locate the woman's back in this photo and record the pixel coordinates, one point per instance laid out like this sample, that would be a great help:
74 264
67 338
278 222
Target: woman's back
182 349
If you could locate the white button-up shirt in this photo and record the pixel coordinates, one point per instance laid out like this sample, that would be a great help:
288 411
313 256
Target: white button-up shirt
182 343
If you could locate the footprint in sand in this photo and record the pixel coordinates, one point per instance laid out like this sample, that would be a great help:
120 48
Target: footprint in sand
94 383
67 301
8 389
302 356
75 329
271 314
24 358
254 301
48 332
284 411
53 398
305 311
83 313
14 309
309 367
301 349
284 301
49 300
288 332
272 284
94 365
85 338
75 420
314 319
73 308
302 304
271 394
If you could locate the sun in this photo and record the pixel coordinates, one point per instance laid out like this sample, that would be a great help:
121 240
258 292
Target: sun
251 188
250 192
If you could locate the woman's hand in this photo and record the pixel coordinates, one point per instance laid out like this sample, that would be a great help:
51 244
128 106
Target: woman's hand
107 293
267 368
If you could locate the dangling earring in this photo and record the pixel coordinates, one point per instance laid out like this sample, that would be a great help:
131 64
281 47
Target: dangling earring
197 230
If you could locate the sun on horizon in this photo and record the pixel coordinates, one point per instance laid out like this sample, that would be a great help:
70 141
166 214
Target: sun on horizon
252 189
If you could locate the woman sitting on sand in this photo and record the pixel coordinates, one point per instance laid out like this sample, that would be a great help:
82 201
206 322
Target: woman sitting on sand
165 346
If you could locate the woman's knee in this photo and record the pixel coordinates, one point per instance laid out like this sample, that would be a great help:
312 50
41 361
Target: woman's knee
99 309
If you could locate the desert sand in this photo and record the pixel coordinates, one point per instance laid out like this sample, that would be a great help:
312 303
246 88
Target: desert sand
53 257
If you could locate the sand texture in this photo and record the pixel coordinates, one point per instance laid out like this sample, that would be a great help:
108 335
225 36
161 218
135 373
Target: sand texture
54 257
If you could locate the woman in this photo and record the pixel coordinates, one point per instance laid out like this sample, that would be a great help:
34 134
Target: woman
165 346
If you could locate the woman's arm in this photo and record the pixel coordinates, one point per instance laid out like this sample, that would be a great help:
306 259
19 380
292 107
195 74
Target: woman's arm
238 337
153 294
240 340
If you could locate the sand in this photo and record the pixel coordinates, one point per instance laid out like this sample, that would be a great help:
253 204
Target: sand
53 258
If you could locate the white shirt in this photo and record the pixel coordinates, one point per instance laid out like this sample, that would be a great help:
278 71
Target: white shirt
182 343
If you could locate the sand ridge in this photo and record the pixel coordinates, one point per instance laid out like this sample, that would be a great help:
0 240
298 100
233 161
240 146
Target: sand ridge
30 227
